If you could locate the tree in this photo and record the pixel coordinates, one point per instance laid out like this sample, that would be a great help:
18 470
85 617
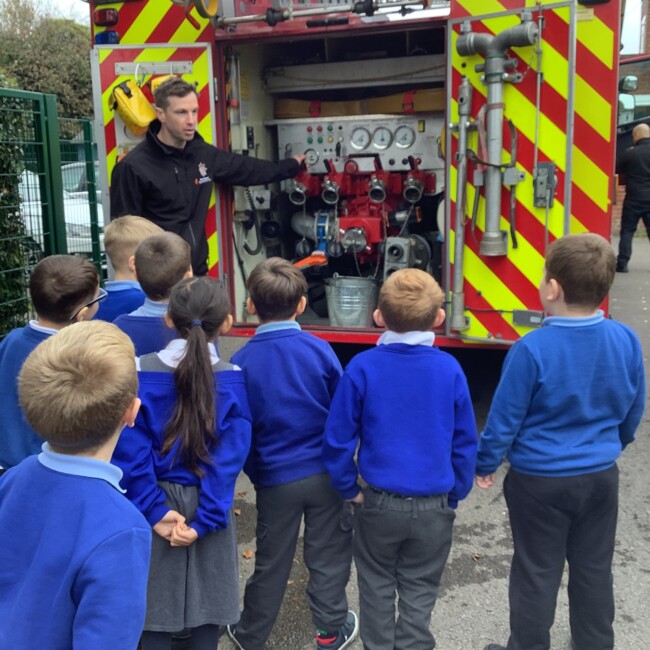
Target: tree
47 54
13 302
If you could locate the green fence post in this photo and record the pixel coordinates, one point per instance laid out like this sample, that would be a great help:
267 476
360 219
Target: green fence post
52 150
89 156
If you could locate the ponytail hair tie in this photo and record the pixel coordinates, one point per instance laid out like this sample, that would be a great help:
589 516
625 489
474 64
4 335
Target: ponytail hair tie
196 323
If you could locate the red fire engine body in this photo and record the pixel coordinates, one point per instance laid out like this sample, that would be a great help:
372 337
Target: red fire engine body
456 137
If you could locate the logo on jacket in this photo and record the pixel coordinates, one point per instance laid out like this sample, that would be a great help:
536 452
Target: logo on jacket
203 170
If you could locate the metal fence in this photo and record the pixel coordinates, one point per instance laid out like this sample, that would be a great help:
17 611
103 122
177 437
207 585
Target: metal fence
49 197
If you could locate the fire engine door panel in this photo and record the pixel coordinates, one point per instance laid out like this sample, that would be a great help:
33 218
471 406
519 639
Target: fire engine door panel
553 111
114 64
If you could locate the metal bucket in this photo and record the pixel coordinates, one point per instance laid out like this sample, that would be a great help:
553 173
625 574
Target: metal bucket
351 301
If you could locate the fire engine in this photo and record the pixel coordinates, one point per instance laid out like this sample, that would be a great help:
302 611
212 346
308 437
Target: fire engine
458 137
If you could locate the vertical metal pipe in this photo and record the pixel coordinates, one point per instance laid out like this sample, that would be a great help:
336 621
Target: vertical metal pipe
494 49
458 320
493 242
570 108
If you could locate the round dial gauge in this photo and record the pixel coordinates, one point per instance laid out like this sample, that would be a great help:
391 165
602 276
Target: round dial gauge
382 138
311 156
404 136
360 138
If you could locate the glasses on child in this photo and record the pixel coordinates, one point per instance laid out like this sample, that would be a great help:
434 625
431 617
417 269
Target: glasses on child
98 298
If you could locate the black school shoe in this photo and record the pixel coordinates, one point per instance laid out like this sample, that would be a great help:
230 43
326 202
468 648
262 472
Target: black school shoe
346 634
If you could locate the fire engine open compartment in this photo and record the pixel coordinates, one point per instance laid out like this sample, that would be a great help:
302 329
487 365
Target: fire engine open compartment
451 136
368 114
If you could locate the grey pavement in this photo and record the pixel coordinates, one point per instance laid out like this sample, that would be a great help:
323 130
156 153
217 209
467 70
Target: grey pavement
472 608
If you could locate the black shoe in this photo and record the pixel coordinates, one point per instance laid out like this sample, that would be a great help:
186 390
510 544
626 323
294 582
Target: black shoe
345 635
621 268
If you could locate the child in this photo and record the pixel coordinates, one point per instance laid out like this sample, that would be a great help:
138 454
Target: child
75 552
121 238
63 289
180 464
160 262
570 398
291 377
407 406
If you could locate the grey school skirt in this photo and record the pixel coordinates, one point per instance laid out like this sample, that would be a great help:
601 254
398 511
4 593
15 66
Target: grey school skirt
192 585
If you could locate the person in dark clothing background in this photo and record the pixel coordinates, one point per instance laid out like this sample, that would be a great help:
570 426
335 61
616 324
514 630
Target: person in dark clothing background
168 177
634 165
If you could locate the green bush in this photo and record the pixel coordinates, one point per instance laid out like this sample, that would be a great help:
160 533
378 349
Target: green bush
14 303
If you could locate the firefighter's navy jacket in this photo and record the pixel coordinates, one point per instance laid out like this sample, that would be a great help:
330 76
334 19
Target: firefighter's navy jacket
171 186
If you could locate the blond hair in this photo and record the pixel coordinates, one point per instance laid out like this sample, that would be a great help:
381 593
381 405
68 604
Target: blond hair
75 387
584 266
409 301
122 236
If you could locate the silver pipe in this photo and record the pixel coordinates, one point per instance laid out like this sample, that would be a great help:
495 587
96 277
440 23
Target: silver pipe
304 225
494 49
320 11
570 124
413 190
330 193
458 320
297 192
377 191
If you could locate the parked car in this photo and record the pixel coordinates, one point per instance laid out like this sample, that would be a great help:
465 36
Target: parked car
75 181
76 209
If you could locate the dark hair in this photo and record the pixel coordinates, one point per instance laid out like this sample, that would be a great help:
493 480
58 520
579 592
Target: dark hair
276 286
197 307
174 87
160 262
60 285
584 266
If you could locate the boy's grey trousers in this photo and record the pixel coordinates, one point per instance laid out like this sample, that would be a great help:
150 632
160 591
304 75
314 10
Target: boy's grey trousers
327 554
401 547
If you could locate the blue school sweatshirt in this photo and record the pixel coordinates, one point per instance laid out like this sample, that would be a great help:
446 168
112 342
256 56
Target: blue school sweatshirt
75 556
570 398
17 439
148 333
124 296
408 409
291 377
139 451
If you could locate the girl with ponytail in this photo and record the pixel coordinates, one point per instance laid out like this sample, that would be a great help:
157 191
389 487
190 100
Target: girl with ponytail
180 464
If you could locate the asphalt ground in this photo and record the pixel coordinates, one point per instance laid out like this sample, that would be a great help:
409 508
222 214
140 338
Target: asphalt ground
472 608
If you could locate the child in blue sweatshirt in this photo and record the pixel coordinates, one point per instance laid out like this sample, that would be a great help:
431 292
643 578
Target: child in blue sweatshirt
570 398
64 289
75 552
121 238
161 261
406 406
291 377
180 463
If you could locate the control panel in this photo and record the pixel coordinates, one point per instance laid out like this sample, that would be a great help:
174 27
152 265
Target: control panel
364 143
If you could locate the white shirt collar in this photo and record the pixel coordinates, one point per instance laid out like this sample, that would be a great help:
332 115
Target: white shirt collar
409 338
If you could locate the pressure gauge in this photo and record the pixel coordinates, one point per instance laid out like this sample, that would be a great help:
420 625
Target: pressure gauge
404 136
360 138
382 138
311 156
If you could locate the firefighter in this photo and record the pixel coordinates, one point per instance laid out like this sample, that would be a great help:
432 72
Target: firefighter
167 178
634 164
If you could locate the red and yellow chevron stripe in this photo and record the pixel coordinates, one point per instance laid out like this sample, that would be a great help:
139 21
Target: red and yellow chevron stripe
155 32
495 286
